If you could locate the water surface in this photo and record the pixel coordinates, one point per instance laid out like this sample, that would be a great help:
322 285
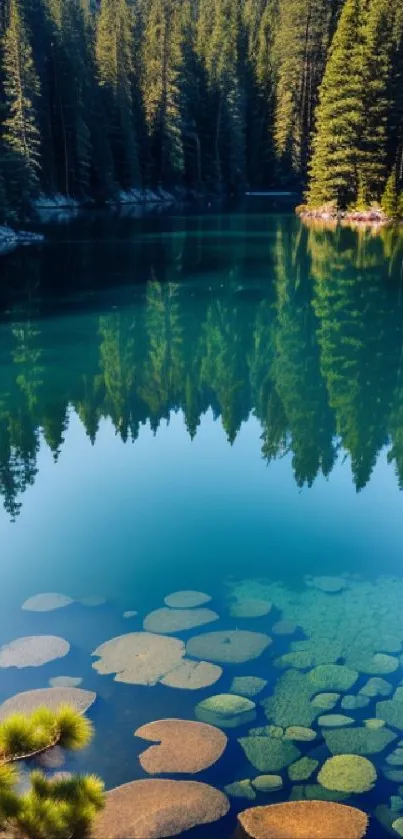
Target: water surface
192 401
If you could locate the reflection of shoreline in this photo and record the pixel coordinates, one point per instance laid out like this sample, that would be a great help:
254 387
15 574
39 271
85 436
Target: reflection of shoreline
314 354
373 219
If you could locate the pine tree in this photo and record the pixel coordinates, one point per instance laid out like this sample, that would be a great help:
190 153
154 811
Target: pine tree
390 198
114 55
339 116
20 133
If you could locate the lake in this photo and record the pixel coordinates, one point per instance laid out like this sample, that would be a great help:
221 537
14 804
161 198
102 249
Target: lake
212 401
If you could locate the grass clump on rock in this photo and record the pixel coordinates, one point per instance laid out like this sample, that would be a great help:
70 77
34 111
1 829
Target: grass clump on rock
57 808
347 773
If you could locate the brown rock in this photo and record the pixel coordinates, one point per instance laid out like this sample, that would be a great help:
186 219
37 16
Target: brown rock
192 675
155 808
304 820
232 647
168 621
183 746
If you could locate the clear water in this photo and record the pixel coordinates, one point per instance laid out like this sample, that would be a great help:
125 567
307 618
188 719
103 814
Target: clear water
196 401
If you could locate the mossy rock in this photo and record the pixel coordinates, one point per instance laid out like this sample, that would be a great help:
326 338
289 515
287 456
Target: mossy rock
241 789
334 720
267 731
376 687
268 754
300 733
378 664
314 792
389 643
291 701
398 694
385 817
396 803
358 741
395 775
226 710
391 711
247 685
353 703
398 826
325 701
302 769
267 783
348 773
300 660
335 677
395 758
373 723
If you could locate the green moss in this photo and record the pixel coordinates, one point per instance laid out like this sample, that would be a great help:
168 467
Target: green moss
334 720
268 754
291 701
325 701
398 826
378 664
359 741
347 773
352 703
226 710
314 792
247 685
376 687
302 769
300 732
241 789
300 660
395 758
332 677
395 775
267 783
391 711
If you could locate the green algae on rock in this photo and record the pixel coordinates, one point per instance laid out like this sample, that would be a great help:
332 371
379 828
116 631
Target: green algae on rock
301 660
300 733
302 769
398 826
347 773
395 758
376 686
269 754
334 720
325 701
391 711
329 585
267 783
235 646
247 685
336 677
291 701
353 703
360 741
314 792
226 710
241 789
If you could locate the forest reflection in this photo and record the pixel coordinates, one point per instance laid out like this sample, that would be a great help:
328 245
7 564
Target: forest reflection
313 348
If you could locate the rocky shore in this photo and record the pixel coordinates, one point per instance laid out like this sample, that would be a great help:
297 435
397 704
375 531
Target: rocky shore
372 216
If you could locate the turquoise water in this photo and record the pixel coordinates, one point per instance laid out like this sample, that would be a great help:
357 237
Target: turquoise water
209 402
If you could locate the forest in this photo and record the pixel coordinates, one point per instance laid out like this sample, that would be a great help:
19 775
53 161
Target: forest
208 96
306 356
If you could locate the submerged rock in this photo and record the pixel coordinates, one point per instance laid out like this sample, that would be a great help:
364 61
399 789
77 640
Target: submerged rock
299 732
347 773
301 660
284 627
186 599
241 789
391 711
291 703
269 754
182 746
65 681
226 710
329 585
352 703
248 685
33 651
332 677
362 740
334 720
93 601
51 698
326 701
250 608
47 602
231 647
139 658
156 808
130 613
376 687
168 621
304 820
267 783
192 675
302 769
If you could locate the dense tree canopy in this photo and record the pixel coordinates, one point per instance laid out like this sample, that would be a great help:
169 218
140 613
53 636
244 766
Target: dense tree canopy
96 97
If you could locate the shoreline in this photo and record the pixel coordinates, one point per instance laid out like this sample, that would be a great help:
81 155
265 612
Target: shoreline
373 217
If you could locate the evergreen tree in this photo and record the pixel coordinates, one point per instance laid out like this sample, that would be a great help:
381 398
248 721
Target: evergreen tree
20 132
